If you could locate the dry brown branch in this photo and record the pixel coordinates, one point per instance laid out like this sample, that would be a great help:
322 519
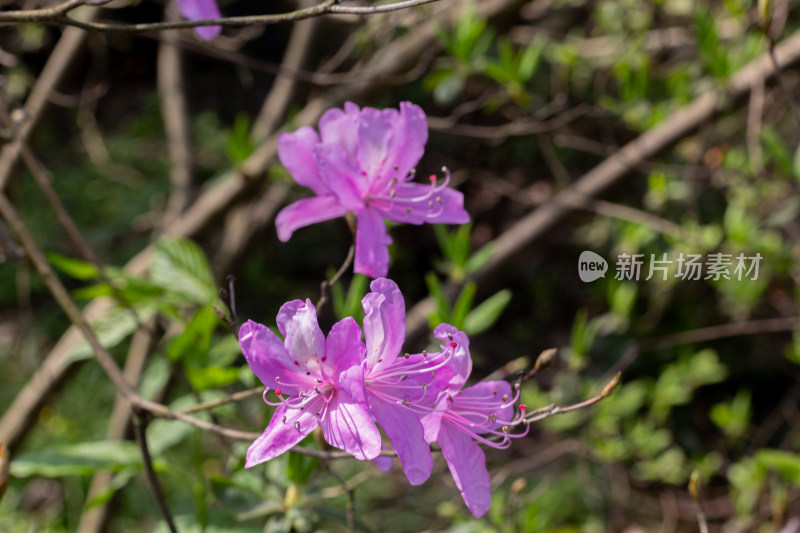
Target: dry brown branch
57 65
94 518
681 123
281 92
176 121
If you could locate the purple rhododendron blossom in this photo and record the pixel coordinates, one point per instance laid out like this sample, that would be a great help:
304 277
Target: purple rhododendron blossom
399 388
201 10
305 371
363 161
462 417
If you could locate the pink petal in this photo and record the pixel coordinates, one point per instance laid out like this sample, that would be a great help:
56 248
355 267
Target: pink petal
384 323
405 432
305 342
201 10
347 426
343 348
296 152
468 466
372 252
306 212
406 144
341 127
374 130
280 436
461 363
268 359
415 203
341 175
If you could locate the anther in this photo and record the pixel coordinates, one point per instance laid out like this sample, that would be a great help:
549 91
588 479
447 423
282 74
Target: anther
403 377
505 397
424 353
504 429
450 336
297 426
439 200
317 390
318 415
407 355
283 419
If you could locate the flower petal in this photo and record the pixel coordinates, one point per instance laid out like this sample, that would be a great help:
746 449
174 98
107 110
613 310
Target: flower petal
461 363
343 348
341 175
415 203
268 359
296 152
201 10
341 127
306 212
405 432
467 464
374 129
305 342
279 435
372 252
347 426
406 144
384 323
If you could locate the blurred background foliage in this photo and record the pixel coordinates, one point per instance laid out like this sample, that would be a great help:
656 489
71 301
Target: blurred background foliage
521 106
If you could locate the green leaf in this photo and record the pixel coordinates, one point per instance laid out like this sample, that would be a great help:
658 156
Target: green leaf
238 144
181 267
300 468
212 377
77 459
193 344
437 293
786 464
463 305
74 268
111 329
487 313
531 57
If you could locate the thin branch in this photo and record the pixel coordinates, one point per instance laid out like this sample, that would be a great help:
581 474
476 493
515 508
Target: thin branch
327 284
140 425
235 397
552 410
785 88
328 7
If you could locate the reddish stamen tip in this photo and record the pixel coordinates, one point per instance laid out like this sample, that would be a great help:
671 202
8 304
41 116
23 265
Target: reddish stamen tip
278 392
453 345
432 177
523 406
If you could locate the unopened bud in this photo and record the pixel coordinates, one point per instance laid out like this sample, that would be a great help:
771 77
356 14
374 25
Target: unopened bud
609 389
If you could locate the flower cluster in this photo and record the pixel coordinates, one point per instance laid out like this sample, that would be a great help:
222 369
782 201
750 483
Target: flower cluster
348 387
362 161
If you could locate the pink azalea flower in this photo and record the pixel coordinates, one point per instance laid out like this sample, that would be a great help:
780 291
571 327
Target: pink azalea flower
304 372
201 10
461 418
398 388
363 161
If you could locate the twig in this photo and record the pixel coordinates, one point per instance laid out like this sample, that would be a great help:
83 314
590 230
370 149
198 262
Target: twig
552 410
57 65
176 120
328 7
694 491
785 88
235 397
94 518
325 285
280 95
140 425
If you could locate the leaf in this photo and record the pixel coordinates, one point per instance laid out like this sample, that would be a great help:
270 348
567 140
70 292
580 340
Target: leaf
111 329
487 313
437 293
77 459
463 305
787 464
212 377
74 268
529 61
193 344
181 267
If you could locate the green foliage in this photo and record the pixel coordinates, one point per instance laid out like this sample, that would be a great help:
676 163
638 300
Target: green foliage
81 459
